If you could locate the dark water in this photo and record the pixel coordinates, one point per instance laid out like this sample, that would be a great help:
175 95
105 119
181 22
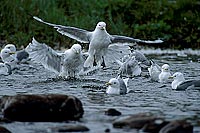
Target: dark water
147 96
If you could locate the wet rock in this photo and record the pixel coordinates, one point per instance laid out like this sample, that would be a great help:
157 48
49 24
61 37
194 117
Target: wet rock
144 121
51 107
112 112
70 128
178 126
4 130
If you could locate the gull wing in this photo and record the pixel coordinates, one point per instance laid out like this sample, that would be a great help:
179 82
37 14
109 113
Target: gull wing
192 84
80 35
124 39
41 53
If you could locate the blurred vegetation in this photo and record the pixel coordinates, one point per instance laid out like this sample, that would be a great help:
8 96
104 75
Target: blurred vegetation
177 22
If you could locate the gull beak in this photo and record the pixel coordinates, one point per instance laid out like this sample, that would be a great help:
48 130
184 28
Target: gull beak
11 53
170 77
103 28
108 83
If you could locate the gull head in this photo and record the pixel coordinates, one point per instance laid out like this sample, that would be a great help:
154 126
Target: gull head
6 53
76 48
11 47
101 26
113 82
178 76
165 68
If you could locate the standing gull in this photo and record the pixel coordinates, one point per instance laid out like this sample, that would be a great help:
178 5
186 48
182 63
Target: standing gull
5 69
67 64
165 74
154 71
99 40
117 86
21 56
180 83
6 56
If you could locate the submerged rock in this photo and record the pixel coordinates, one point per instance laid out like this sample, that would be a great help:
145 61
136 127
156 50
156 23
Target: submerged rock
112 112
149 123
4 130
51 107
178 126
144 121
70 128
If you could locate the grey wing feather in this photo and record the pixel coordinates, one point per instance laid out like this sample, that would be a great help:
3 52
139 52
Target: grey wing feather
80 35
123 89
41 53
22 54
187 84
142 58
124 39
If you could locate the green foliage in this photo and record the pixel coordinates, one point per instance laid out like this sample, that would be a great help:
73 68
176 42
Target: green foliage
177 22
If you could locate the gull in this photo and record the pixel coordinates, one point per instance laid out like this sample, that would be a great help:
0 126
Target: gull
67 64
6 56
5 69
165 74
179 82
99 40
21 56
130 67
154 71
117 86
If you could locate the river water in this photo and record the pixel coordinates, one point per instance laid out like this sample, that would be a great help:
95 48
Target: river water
146 96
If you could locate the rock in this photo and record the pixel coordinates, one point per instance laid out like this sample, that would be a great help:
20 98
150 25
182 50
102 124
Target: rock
46 108
112 112
178 126
4 130
144 121
70 128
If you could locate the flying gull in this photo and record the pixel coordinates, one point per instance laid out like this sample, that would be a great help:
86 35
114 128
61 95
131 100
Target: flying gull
99 40
180 83
67 64
117 86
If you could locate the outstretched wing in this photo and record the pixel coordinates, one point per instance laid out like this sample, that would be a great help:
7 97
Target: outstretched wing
41 53
80 35
124 39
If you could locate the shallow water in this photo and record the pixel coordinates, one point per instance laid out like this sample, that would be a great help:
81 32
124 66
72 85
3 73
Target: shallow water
146 96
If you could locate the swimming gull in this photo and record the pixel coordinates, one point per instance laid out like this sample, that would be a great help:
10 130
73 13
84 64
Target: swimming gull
21 55
154 71
5 69
165 74
67 64
179 82
99 40
130 67
117 86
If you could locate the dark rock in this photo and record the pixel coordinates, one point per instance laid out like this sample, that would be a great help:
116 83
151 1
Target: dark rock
51 107
70 128
4 130
144 121
107 130
112 112
178 126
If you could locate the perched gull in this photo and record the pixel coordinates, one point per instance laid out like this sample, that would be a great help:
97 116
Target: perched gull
180 83
21 56
130 67
165 74
5 69
117 86
67 64
6 56
99 40
154 71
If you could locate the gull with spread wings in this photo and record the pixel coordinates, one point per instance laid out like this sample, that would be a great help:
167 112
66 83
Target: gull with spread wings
99 41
